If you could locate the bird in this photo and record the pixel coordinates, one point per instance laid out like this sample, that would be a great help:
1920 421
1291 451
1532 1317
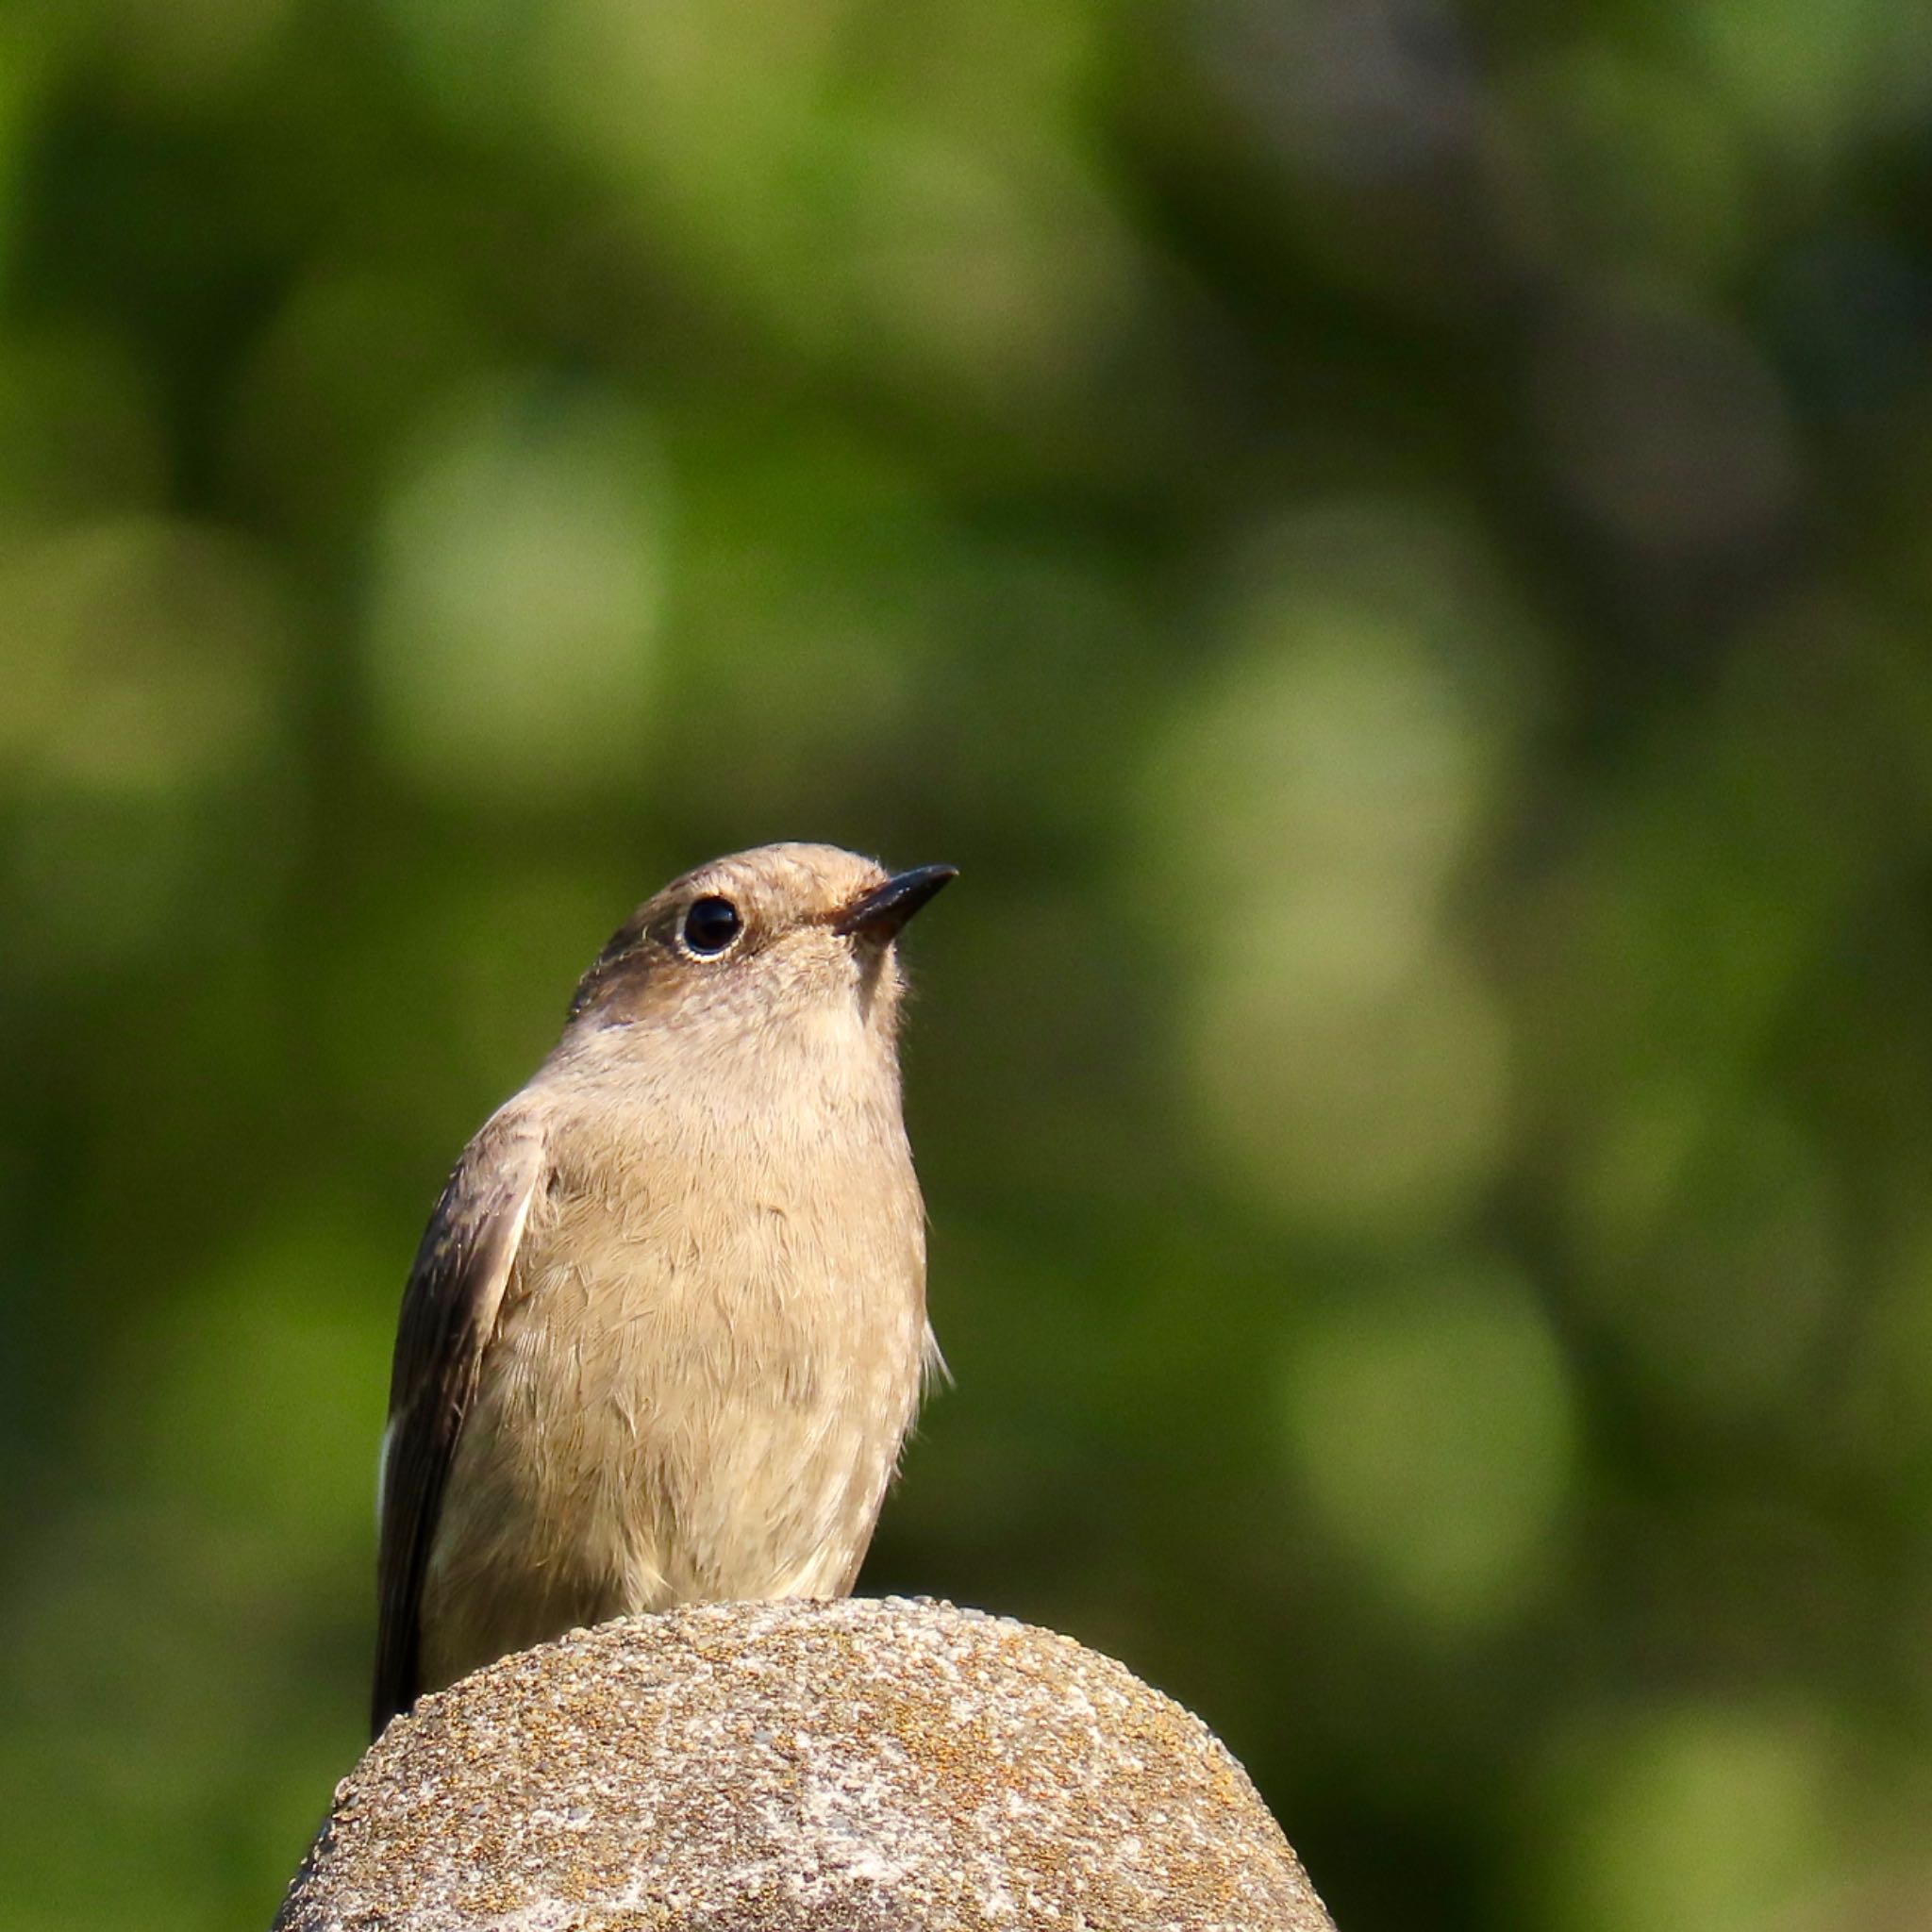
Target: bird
666 1330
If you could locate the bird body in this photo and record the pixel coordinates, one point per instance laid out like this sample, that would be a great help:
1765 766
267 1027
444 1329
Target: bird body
666 1331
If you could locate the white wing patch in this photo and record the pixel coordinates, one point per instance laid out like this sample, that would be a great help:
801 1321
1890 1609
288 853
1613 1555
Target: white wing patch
389 1435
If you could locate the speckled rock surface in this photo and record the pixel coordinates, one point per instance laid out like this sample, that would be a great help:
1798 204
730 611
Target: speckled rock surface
855 1766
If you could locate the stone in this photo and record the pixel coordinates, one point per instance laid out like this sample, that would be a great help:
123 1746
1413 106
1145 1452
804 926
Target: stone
850 1766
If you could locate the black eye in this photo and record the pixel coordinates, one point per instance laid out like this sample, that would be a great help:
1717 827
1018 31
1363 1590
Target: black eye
710 925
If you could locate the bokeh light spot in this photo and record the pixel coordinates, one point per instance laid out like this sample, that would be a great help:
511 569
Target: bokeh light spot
513 629
1350 1066
283 1350
143 721
1434 1428
1718 1817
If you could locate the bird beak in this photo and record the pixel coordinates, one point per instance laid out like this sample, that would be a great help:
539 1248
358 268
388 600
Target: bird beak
880 913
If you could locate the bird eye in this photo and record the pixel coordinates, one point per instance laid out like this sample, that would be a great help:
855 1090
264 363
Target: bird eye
710 925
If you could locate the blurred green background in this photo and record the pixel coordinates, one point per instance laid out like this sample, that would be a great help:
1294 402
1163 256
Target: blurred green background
1393 542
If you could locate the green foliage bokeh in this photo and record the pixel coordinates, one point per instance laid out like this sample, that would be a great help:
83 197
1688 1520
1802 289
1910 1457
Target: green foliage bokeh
1389 540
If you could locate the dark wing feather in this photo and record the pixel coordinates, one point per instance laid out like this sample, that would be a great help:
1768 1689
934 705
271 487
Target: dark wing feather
449 1313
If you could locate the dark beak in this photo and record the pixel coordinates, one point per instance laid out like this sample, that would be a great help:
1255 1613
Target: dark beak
880 913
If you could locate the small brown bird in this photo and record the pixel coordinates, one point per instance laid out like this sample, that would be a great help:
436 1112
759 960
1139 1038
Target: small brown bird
666 1329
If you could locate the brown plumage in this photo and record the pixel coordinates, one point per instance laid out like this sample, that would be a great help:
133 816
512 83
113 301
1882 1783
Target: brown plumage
665 1332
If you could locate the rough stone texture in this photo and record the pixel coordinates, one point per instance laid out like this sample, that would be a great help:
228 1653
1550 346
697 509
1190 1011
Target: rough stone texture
802 1767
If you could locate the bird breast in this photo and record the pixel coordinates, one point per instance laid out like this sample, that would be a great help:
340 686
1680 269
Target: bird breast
705 1362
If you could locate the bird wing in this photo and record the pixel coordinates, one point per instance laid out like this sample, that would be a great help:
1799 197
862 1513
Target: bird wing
449 1314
